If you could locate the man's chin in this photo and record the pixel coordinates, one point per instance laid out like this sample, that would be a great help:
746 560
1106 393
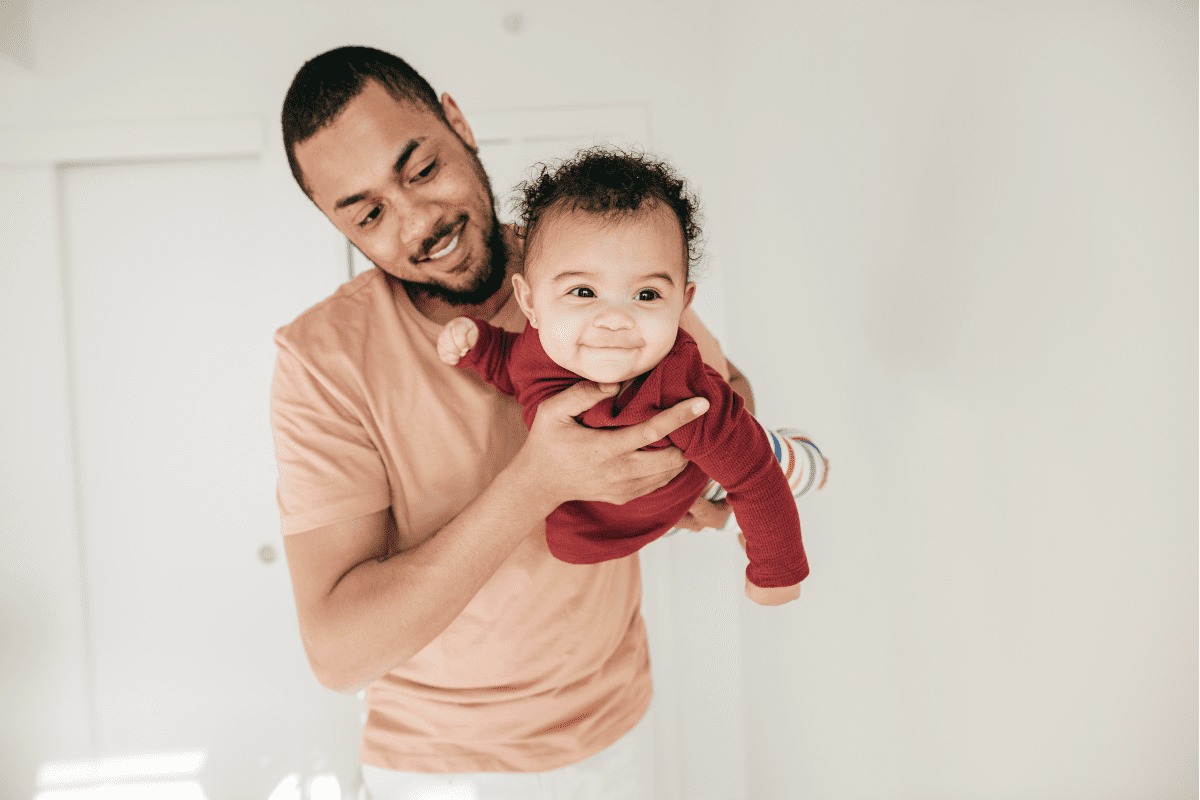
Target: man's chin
473 294
488 279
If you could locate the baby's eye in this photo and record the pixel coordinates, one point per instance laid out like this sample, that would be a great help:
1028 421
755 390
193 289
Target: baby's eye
371 216
582 291
646 295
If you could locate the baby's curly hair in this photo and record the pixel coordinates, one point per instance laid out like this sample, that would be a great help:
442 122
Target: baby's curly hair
609 182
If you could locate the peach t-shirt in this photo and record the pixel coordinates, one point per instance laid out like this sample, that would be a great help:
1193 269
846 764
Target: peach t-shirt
548 663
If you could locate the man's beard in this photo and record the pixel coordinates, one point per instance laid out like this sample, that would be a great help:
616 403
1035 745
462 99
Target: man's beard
487 282
491 276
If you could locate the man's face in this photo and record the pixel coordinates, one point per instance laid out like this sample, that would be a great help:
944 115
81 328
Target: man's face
606 295
409 193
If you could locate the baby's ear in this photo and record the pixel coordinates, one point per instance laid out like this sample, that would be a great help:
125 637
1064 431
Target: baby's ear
524 297
689 292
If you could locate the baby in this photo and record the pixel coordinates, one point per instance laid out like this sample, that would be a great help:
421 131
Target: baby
609 238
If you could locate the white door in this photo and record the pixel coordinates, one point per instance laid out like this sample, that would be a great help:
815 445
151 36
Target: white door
178 273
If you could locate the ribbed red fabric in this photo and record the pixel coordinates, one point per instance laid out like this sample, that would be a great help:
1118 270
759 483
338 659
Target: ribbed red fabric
726 444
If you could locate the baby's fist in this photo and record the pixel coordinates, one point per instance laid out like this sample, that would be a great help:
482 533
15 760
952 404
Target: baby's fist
776 596
456 339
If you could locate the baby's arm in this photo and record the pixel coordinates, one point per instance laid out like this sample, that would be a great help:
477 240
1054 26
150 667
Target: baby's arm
776 596
456 339
470 343
766 511
732 449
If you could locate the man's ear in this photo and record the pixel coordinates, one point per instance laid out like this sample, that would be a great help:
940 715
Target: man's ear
524 297
457 121
689 292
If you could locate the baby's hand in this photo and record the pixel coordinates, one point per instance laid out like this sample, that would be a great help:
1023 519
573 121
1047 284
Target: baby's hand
456 339
772 597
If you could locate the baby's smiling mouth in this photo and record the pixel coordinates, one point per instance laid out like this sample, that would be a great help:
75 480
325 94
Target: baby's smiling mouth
611 346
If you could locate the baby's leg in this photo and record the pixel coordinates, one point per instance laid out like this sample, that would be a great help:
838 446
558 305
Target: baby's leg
803 465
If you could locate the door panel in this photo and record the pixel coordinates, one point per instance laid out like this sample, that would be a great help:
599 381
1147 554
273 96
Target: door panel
177 279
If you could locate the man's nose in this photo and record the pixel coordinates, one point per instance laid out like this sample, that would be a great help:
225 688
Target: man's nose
614 318
417 223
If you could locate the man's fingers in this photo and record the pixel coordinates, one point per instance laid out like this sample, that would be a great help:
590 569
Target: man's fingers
577 399
710 514
661 424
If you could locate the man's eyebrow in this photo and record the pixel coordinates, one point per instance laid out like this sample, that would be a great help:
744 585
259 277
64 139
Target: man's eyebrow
398 167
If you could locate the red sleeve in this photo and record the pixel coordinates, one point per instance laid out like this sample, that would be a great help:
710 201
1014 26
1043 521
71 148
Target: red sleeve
732 449
490 356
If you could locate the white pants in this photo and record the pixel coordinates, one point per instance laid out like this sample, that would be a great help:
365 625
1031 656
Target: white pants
622 771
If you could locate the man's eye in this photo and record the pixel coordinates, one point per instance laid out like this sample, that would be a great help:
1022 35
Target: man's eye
371 216
425 173
646 295
582 291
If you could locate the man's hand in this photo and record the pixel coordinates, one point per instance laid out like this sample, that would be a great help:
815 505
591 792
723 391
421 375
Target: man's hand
563 460
775 596
457 338
706 514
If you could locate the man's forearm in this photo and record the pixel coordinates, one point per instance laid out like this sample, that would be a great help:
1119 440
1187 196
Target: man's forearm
739 383
384 610
362 613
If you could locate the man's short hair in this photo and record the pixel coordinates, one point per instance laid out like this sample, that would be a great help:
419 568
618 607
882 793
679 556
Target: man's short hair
613 183
327 83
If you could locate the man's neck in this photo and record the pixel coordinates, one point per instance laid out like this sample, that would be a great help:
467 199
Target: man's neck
441 312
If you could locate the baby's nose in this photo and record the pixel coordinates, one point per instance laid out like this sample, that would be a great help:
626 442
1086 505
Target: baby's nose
614 319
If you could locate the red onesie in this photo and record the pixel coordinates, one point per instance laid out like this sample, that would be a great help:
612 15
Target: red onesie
725 443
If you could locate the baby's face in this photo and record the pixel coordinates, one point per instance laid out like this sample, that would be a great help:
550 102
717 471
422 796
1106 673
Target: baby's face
605 295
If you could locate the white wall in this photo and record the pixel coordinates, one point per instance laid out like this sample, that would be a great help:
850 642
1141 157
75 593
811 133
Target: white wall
956 241
970 229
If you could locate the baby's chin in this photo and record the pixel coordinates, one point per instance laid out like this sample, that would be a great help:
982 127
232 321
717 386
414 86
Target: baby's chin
607 376
601 372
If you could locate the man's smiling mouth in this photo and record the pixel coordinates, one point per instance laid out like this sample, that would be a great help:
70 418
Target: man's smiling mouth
446 250
450 246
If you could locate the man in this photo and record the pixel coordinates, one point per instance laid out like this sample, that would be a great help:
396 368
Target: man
412 497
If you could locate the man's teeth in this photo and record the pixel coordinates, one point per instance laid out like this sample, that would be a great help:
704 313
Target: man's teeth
448 248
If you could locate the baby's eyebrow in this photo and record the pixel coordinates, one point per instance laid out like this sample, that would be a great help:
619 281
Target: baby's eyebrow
663 276
575 273
572 273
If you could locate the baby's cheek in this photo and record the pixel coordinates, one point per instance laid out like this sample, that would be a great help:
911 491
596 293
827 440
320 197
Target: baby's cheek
560 332
662 334
558 340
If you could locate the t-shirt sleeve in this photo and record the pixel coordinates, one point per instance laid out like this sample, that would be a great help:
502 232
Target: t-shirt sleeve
329 469
490 356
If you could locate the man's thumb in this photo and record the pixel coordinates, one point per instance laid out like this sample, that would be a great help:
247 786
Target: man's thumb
579 398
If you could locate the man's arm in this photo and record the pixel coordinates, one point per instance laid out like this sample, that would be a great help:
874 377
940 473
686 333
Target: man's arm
739 383
362 612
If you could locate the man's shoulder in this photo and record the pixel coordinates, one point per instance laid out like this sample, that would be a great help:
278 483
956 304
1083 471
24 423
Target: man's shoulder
338 320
